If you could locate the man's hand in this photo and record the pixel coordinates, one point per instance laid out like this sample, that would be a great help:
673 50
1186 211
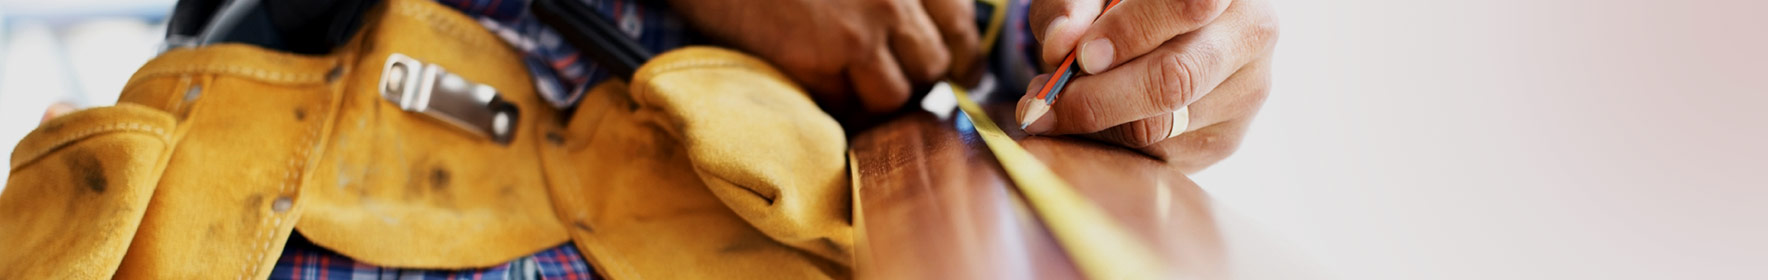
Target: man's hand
852 54
1147 59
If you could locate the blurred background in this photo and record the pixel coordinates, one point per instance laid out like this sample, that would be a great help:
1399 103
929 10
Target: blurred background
1404 139
78 52
1514 139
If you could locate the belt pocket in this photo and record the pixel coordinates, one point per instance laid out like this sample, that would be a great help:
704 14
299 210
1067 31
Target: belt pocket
77 189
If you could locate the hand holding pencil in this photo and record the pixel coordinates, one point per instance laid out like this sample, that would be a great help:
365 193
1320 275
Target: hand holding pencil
1178 79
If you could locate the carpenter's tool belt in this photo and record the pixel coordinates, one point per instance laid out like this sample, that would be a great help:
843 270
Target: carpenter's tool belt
421 143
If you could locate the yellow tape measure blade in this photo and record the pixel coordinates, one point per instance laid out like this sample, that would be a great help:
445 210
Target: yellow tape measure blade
1097 244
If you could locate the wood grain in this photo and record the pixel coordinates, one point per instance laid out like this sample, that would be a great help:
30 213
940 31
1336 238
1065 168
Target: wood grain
934 204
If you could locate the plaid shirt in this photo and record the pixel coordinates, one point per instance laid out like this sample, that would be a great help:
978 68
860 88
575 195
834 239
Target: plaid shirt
301 259
561 73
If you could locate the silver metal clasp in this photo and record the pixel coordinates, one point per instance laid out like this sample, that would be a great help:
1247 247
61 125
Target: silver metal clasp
426 88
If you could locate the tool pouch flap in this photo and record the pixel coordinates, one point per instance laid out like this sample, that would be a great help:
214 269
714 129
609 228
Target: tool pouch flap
78 187
710 165
758 142
410 189
268 143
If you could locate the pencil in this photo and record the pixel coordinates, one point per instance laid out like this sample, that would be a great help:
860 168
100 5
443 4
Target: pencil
1046 97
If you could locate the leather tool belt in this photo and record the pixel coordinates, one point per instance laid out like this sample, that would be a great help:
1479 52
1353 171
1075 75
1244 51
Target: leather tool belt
421 143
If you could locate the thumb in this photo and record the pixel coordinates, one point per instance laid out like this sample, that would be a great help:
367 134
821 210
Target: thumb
1134 27
1058 25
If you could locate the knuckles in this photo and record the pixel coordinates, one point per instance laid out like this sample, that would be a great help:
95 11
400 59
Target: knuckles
1264 32
929 67
1042 12
1174 80
846 43
1203 10
1090 117
888 12
1146 132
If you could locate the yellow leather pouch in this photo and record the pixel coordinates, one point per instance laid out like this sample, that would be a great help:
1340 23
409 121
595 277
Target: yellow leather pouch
78 188
712 165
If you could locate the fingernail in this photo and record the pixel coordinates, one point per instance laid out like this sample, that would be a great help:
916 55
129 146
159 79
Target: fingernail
1019 111
1054 24
1095 55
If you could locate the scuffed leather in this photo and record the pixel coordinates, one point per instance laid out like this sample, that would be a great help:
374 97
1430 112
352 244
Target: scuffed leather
718 168
758 142
78 188
401 189
713 167
251 123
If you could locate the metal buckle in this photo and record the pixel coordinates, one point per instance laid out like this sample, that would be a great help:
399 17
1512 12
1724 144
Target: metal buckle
426 88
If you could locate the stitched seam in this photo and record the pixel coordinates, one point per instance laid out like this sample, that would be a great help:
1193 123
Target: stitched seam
249 72
114 127
291 177
672 67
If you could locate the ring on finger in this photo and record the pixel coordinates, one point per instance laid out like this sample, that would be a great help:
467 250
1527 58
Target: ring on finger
1181 122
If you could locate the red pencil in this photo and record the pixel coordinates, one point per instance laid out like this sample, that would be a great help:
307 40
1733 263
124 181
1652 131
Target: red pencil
1046 97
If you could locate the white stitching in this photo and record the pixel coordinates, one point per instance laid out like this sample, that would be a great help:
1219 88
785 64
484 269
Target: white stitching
249 72
136 127
693 64
291 178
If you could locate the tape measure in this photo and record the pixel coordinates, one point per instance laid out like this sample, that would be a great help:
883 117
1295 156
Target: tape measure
1100 247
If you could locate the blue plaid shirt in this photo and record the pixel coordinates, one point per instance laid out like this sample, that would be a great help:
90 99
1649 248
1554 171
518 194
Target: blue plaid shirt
561 73
303 260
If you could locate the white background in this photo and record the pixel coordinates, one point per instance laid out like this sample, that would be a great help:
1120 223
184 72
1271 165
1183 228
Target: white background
74 51
1555 139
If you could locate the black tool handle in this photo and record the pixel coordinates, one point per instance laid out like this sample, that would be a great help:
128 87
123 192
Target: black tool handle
593 35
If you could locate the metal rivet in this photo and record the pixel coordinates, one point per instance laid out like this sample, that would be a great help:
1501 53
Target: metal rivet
500 123
193 92
395 78
281 204
555 138
335 73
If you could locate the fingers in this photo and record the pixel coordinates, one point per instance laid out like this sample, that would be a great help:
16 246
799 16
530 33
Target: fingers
879 82
56 110
1238 98
1058 25
1219 124
1135 27
1146 87
914 53
1030 92
956 20
1142 133
1193 151
1179 72
919 49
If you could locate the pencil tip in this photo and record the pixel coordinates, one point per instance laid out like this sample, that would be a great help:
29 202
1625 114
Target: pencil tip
1034 110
